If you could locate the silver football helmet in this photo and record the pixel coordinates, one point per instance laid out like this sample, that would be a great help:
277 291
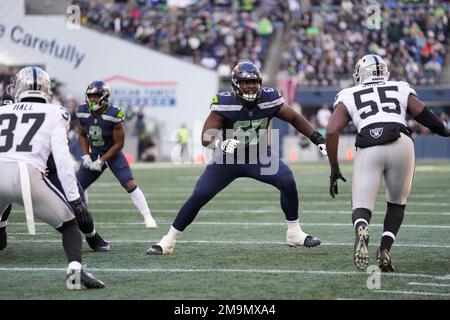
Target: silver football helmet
370 68
31 82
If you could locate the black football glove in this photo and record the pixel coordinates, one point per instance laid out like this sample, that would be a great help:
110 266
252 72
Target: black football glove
335 175
319 141
81 211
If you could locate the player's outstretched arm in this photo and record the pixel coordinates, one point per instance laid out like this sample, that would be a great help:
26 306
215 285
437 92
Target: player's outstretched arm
337 123
424 116
303 126
211 130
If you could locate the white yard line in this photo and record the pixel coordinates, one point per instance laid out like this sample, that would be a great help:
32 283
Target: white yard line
234 242
210 270
239 201
227 223
416 293
274 210
428 284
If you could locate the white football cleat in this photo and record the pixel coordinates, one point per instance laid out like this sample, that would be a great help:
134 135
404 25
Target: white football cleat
164 246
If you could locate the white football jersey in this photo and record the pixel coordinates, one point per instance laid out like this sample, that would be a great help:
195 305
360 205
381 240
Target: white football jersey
30 131
376 102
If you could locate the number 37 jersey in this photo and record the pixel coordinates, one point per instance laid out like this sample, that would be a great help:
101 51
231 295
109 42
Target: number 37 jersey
30 131
376 102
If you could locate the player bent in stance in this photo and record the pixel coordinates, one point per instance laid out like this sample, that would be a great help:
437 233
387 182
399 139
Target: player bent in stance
102 137
93 238
247 109
378 109
34 128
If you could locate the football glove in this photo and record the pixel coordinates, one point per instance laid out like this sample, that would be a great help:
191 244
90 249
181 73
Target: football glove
227 146
87 161
97 165
81 211
319 141
335 175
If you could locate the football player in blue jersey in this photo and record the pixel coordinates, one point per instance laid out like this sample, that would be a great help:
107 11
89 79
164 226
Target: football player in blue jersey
102 137
243 115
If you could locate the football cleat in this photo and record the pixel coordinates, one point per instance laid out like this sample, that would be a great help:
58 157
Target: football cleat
98 244
384 261
295 238
165 246
361 252
311 241
86 279
3 238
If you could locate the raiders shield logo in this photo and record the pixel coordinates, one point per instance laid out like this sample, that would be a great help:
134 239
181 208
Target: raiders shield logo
376 132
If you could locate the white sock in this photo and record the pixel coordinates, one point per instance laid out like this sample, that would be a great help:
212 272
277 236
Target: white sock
173 233
74 265
139 201
294 224
3 223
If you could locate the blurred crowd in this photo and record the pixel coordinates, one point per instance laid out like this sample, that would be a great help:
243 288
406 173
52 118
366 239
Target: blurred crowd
215 34
328 37
325 37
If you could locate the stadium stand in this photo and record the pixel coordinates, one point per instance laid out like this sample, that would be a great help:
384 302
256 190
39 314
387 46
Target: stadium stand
327 38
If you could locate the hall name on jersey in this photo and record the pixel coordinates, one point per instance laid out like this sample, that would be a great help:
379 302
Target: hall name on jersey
23 107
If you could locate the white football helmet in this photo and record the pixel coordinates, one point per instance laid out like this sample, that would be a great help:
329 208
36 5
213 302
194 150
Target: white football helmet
370 68
31 82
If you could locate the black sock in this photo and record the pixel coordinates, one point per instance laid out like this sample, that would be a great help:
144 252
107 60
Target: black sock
392 222
71 238
361 213
5 213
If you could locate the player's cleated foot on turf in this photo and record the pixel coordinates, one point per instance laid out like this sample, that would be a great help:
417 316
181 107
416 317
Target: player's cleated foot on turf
165 246
361 251
77 277
384 261
98 244
3 238
90 282
295 237
311 241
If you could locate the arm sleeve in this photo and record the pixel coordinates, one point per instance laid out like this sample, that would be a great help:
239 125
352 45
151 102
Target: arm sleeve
63 159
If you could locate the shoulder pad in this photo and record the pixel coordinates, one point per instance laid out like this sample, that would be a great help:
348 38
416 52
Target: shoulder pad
225 101
270 97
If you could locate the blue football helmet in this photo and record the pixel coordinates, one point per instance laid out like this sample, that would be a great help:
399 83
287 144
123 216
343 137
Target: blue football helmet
246 71
97 95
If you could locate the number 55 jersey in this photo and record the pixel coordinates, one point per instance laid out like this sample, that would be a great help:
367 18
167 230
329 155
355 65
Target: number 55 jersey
379 102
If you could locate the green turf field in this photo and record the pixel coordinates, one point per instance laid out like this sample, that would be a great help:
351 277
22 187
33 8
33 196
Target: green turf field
236 249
